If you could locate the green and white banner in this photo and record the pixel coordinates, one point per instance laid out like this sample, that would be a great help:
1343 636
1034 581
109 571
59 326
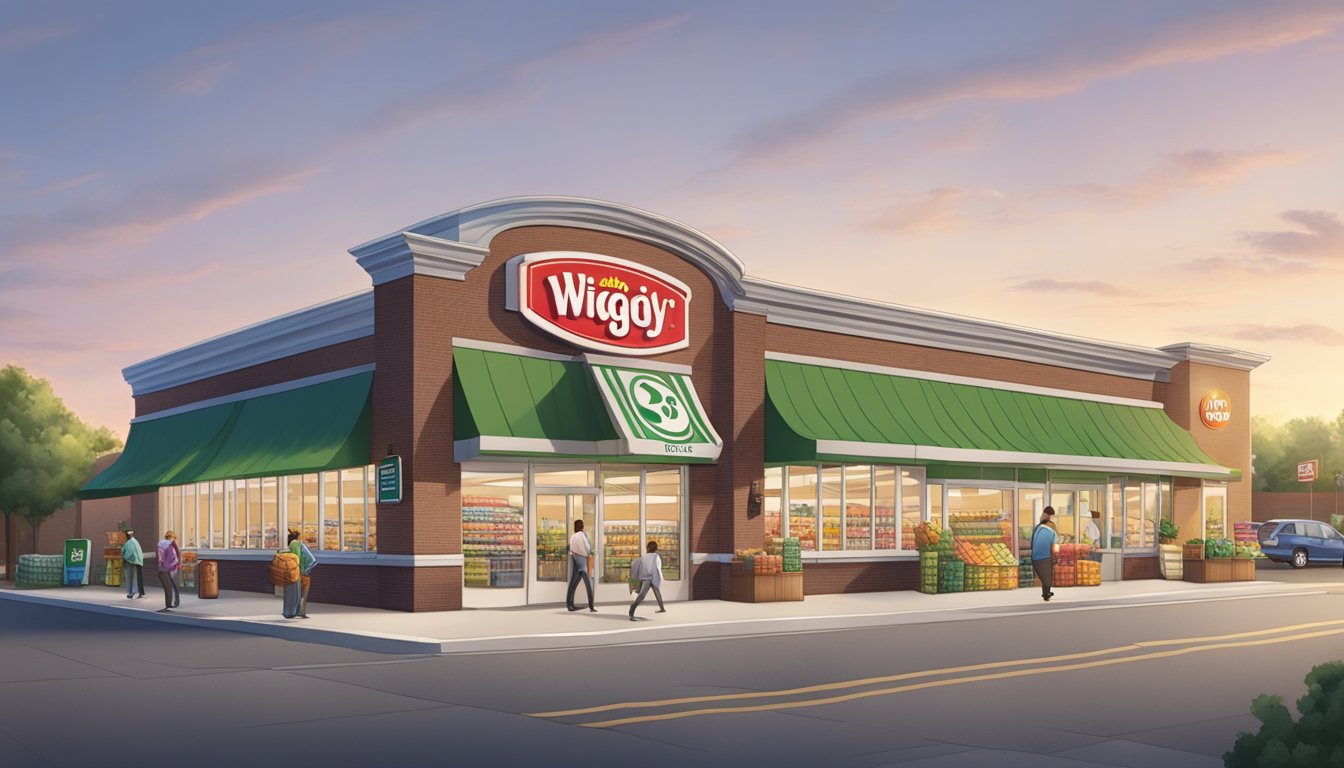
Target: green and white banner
657 412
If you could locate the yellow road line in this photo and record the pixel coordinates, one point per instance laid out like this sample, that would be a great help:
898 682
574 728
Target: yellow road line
926 673
957 681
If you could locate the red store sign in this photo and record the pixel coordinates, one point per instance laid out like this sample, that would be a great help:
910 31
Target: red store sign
602 303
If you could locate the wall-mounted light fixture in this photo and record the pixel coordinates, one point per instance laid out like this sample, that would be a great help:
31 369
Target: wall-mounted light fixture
390 452
754 499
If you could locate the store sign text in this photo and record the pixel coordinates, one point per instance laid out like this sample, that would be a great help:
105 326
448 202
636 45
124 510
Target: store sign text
603 303
1308 470
1215 409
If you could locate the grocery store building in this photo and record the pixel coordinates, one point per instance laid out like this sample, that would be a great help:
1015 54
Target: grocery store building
524 363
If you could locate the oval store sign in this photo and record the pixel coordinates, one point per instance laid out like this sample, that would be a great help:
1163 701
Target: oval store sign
603 303
1215 409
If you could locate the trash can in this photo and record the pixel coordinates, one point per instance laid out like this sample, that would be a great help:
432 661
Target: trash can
207 579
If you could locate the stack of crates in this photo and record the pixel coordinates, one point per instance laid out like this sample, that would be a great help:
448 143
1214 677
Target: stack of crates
1026 577
928 573
952 575
40 571
1088 574
793 555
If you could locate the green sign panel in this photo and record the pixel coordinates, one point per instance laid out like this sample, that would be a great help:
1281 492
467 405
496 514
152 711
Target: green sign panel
657 412
77 561
389 480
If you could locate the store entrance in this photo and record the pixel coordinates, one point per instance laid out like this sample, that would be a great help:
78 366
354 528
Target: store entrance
554 524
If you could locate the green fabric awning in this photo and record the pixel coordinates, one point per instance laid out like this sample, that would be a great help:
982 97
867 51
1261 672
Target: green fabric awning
308 429
822 413
525 405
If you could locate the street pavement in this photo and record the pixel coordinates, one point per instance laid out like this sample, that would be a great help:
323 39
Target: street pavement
551 627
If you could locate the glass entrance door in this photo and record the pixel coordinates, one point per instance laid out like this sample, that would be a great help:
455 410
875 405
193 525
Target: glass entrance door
554 518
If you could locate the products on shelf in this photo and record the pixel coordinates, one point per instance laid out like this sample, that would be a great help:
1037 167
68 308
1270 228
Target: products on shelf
884 528
620 547
492 542
803 524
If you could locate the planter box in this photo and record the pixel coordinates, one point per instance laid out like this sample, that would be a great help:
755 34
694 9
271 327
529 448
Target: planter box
1219 569
765 587
1189 552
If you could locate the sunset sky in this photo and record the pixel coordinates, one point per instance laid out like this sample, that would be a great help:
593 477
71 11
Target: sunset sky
1141 172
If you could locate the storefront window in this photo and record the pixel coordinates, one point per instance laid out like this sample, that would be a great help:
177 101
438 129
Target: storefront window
832 479
188 517
238 539
1151 515
884 509
912 504
270 513
353 506
1115 518
563 476
217 513
301 509
1215 511
1091 508
936 504
1167 510
1030 504
772 502
981 515
1066 514
621 540
802 499
253 492
1133 515
858 520
492 529
371 505
663 506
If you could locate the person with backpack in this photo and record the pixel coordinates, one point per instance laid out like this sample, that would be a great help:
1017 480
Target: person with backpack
170 561
648 569
133 563
307 562
293 594
1044 547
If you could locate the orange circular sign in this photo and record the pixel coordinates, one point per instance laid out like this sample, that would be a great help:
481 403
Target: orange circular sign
1215 409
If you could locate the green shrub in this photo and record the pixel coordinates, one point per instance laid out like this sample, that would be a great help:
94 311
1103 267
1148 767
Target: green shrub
1314 741
1168 530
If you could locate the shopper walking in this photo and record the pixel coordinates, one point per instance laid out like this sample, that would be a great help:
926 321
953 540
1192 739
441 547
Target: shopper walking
307 562
1044 547
133 565
648 568
170 561
580 555
293 593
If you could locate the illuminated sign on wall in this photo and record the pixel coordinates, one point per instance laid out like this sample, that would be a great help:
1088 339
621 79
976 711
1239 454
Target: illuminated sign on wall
602 303
1215 409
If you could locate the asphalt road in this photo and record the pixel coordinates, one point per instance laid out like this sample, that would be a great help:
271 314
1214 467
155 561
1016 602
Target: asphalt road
1134 685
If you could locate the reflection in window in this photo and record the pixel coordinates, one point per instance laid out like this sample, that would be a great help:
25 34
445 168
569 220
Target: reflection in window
772 503
858 513
832 479
621 541
802 523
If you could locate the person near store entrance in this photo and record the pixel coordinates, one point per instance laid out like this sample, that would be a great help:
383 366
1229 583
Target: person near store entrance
293 590
170 561
1044 547
580 560
133 563
648 569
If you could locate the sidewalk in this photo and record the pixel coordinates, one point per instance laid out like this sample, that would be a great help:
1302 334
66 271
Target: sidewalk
551 627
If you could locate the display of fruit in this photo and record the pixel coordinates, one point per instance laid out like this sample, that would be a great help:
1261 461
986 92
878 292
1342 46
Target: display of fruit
927 535
1219 548
951 575
928 572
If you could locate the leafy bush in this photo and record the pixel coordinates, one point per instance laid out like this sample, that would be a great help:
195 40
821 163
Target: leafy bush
1314 741
1195 543
1167 530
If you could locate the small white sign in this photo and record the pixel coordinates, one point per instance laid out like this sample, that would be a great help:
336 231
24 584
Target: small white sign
1307 471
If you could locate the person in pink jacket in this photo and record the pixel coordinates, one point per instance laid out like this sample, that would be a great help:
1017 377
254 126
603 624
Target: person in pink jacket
170 562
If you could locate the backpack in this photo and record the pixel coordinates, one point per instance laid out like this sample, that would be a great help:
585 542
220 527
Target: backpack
284 569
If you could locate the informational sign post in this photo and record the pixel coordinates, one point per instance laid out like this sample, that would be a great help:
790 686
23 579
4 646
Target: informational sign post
389 480
77 561
1307 472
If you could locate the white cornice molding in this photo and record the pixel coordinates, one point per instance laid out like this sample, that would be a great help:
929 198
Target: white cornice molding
332 322
1209 354
805 308
409 253
471 230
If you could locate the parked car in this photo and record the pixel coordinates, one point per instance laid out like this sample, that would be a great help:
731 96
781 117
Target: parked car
1301 542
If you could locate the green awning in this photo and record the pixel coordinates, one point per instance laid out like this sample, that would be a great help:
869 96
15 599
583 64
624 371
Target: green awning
308 429
823 413
526 405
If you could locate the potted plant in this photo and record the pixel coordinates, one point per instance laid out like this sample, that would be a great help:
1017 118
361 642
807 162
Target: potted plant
1167 531
1193 550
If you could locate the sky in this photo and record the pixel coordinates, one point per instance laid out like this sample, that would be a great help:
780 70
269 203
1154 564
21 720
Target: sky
1143 172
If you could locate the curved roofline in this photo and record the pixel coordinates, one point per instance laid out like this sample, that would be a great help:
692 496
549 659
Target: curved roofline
452 244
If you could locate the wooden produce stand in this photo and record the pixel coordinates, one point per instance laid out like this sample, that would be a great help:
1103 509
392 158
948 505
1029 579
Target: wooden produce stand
748 586
1218 569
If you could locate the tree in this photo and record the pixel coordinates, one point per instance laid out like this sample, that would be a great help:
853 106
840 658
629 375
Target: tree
1278 448
46 452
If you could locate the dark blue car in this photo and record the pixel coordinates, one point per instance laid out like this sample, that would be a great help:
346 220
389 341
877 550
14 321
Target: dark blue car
1301 542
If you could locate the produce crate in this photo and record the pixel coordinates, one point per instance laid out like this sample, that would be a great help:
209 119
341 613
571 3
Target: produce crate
1026 577
1088 574
1192 551
765 587
951 575
112 571
928 572
40 571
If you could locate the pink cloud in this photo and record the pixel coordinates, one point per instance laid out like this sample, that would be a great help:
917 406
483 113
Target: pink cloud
1094 287
1323 238
1046 73
1305 333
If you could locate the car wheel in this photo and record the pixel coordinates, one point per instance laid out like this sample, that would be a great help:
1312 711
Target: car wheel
1299 558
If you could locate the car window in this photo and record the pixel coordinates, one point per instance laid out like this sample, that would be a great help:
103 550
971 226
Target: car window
1330 532
1288 529
1314 529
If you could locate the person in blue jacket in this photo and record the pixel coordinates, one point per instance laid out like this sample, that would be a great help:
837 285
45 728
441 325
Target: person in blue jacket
133 563
1044 546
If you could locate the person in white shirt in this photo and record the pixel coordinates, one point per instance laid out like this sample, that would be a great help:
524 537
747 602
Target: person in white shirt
649 570
580 549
